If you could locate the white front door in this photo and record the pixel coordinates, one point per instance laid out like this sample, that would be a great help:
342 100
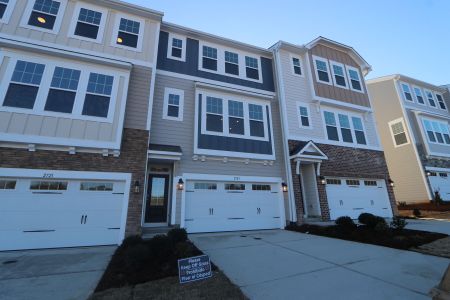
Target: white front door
351 197
440 181
227 206
50 213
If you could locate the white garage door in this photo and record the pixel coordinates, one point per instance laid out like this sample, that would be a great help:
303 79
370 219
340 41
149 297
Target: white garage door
228 206
440 181
43 213
351 197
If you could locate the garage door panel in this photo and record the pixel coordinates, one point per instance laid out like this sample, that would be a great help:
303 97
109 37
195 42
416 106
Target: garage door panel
440 181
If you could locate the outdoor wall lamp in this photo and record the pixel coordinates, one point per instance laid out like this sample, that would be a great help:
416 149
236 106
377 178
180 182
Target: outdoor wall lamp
285 187
322 180
391 182
180 185
428 173
136 187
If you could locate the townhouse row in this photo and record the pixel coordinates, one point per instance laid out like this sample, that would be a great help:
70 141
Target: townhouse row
113 121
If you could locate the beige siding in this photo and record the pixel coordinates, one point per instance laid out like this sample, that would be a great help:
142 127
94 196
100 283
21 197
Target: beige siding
333 92
136 112
403 164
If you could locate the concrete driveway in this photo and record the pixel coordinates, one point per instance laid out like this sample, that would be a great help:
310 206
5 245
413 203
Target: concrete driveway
71 273
277 264
429 225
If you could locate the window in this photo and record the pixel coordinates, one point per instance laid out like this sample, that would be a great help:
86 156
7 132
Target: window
61 96
177 47
236 117
441 101
398 132
437 132
3 6
24 86
128 34
6 8
261 187
296 66
419 95
370 183
205 186
173 104
322 71
406 92
303 115
256 120
7 184
333 181
346 130
234 186
88 23
330 123
359 130
209 60
96 102
44 13
443 175
214 114
355 79
339 78
48 185
430 98
231 63
96 186
353 182
251 67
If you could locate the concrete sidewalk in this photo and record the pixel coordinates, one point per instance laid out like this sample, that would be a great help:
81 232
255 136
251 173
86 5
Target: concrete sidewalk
71 273
277 264
429 225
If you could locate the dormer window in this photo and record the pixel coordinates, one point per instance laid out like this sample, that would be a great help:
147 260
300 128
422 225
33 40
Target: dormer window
251 67
407 92
231 63
44 14
209 60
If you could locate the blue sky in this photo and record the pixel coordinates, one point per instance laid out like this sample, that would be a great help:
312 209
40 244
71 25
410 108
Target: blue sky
411 37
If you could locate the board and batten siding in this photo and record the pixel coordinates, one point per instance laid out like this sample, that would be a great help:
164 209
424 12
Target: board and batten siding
181 133
136 111
331 91
13 28
403 164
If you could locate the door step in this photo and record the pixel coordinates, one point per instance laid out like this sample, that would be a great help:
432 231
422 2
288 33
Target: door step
312 219
149 232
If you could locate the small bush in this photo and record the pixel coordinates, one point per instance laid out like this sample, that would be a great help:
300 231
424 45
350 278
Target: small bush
398 223
184 250
371 220
177 235
137 256
417 213
381 227
160 247
345 223
401 203
131 241
437 198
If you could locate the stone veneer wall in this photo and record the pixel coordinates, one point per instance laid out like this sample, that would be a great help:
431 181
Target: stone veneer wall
132 159
343 162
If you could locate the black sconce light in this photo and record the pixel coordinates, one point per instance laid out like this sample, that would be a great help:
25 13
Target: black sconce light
136 187
428 173
322 180
180 185
391 182
285 187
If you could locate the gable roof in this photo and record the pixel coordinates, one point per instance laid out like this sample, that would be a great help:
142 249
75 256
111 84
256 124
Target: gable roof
307 150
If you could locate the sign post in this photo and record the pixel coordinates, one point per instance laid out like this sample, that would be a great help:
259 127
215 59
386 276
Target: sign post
194 268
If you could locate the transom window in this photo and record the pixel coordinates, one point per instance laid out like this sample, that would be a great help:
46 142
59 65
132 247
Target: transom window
355 80
339 75
214 114
407 92
370 183
48 185
209 58
322 71
251 67
296 65
303 116
96 186
88 23
441 101
437 132
261 187
44 13
98 95
398 132
349 132
62 93
353 182
205 186
236 117
333 181
7 184
430 98
419 95
234 186
173 104
128 34
231 63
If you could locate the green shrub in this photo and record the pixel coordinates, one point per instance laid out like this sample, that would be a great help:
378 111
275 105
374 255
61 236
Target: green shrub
417 213
184 250
177 235
381 226
160 247
401 203
398 223
370 220
131 241
437 198
137 256
345 223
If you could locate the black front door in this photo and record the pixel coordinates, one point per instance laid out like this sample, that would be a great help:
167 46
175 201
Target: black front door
157 199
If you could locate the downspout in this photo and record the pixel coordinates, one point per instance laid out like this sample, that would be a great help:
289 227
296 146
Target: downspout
284 132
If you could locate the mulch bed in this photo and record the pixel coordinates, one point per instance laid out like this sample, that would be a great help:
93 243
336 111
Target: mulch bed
403 239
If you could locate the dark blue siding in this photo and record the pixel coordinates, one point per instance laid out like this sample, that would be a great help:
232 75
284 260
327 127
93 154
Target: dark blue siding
223 143
190 67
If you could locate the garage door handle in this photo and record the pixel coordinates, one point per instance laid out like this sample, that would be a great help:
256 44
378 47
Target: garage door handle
85 219
81 221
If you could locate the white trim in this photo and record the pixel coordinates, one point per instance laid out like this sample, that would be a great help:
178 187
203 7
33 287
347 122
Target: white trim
342 104
115 31
302 69
396 121
183 48
8 11
335 143
79 175
232 90
437 169
56 26
315 158
317 58
74 22
180 94
173 208
152 81
306 105
348 68
338 64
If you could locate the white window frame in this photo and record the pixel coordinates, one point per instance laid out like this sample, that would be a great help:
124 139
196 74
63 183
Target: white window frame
183 49
45 86
438 102
336 112
246 101
405 130
76 14
439 122
306 105
291 61
349 81
180 93
317 58
8 12
402 86
421 93
57 26
115 32
344 71
258 62
433 98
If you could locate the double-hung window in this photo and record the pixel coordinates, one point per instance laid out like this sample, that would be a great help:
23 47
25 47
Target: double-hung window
173 104
6 8
430 98
98 95
256 118
398 132
437 132
231 63
209 59
3 7
330 124
63 90
322 70
214 114
346 131
355 79
236 117
24 85
296 66
303 115
440 101
419 95
88 23
44 14
128 33
359 130
350 129
176 48
407 92
339 74
251 67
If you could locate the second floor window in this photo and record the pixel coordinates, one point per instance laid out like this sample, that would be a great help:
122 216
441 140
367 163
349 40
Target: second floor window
236 117
251 67
173 104
349 129
303 116
63 90
209 59
296 66
430 98
407 92
88 23
128 34
231 63
419 95
437 132
44 14
256 120
214 114
441 101
98 95
3 7
398 132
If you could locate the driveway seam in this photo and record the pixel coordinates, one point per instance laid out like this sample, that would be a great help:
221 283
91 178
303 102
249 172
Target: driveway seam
47 275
